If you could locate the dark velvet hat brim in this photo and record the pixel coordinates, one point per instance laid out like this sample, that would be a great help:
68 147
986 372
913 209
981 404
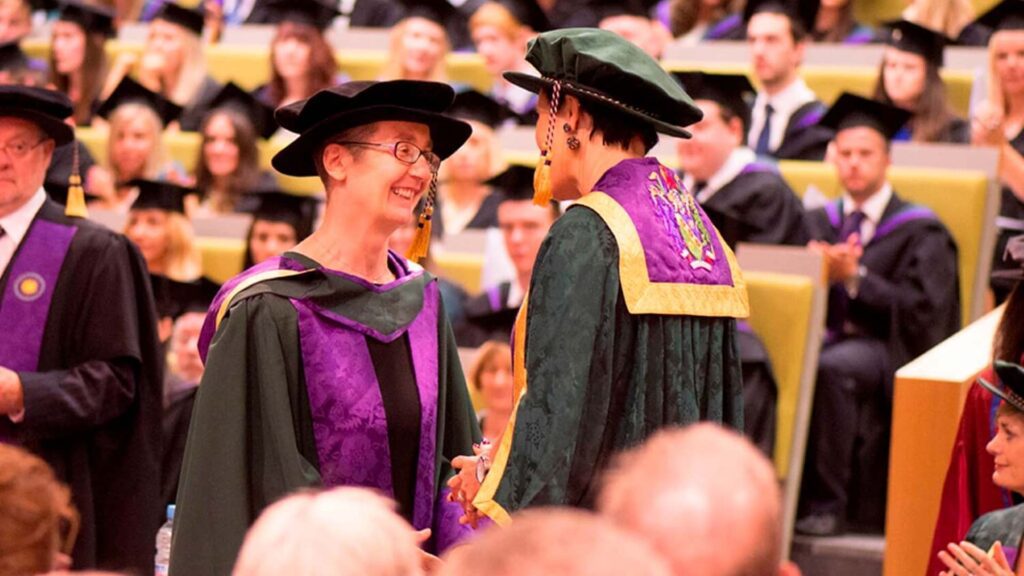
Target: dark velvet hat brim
297 159
535 84
56 129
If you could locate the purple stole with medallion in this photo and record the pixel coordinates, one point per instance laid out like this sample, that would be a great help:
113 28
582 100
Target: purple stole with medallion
25 302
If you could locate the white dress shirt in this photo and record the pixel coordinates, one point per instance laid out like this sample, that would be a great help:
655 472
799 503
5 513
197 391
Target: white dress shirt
734 164
784 103
15 225
873 209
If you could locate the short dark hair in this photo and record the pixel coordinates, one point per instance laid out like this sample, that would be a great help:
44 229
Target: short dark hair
728 115
797 29
354 134
617 128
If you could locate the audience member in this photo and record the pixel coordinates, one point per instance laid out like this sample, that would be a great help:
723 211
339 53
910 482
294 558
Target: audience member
301 60
15 20
784 119
491 378
341 531
453 295
78 59
279 221
173 63
999 122
969 491
38 522
835 23
464 200
894 294
724 515
631 20
524 226
694 21
555 541
80 374
951 18
909 78
993 544
500 34
748 201
228 165
136 119
417 48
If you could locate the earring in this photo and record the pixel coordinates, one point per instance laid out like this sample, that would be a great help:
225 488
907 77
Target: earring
566 128
573 143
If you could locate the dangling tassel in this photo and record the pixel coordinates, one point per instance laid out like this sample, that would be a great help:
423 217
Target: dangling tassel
75 207
421 243
542 193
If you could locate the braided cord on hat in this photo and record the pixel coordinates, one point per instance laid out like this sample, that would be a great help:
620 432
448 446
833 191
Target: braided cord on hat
542 193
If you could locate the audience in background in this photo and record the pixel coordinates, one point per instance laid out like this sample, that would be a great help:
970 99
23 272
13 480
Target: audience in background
693 21
723 515
341 531
999 122
490 378
38 521
566 542
500 37
909 78
417 50
78 59
228 162
301 60
785 113
631 21
279 221
15 20
951 18
835 23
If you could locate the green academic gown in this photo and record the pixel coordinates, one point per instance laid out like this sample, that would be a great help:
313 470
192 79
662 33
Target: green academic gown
315 378
629 327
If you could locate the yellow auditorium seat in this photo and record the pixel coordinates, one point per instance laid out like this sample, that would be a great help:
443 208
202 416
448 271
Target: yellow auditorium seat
247 66
462 269
183 148
222 257
958 198
95 141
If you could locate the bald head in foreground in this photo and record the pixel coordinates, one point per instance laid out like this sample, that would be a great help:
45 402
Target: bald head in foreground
705 498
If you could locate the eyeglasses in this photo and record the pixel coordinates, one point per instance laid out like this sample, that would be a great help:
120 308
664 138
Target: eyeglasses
19 148
406 152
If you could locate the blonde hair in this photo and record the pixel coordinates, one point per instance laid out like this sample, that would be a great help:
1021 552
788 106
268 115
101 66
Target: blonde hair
129 112
393 69
182 259
343 531
193 67
34 505
498 16
946 16
485 355
496 163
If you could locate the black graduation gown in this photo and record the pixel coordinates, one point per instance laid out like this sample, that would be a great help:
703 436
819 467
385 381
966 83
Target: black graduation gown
93 409
486 216
1012 208
195 111
176 419
57 175
483 321
804 139
759 207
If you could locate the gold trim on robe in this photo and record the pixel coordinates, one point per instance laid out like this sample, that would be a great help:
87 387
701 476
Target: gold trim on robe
250 282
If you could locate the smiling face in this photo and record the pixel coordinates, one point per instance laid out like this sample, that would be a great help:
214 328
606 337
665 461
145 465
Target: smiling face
148 229
377 185
219 146
167 41
24 162
68 47
422 45
133 139
1007 450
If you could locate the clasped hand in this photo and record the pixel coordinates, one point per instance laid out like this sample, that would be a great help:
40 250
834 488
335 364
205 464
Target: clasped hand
465 484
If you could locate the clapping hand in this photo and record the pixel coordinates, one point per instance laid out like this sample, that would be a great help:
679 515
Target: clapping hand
966 559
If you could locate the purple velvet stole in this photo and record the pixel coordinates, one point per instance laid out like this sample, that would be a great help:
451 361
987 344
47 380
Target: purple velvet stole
680 244
25 303
494 298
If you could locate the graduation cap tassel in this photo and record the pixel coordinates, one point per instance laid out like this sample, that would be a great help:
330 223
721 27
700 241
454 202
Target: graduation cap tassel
421 243
75 207
542 195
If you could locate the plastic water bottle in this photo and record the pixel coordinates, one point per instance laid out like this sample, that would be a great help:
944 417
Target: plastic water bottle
163 544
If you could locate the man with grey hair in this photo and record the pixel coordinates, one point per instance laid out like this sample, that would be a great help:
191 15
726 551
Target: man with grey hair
723 515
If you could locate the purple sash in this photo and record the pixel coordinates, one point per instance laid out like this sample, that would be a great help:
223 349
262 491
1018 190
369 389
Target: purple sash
25 303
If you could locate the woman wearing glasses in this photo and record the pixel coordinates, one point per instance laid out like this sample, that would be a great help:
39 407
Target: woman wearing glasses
333 364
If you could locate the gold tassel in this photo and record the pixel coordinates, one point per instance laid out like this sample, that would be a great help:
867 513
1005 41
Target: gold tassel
542 195
75 207
421 244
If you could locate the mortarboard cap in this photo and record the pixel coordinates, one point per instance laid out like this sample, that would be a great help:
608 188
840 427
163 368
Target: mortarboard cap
472 105
270 203
174 298
515 183
90 17
160 195
440 11
803 11
261 115
45 108
732 91
1006 15
1011 376
357 103
609 8
605 69
528 13
12 57
315 13
909 37
130 91
851 111
187 18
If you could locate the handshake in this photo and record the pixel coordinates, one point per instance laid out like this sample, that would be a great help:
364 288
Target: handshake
470 474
